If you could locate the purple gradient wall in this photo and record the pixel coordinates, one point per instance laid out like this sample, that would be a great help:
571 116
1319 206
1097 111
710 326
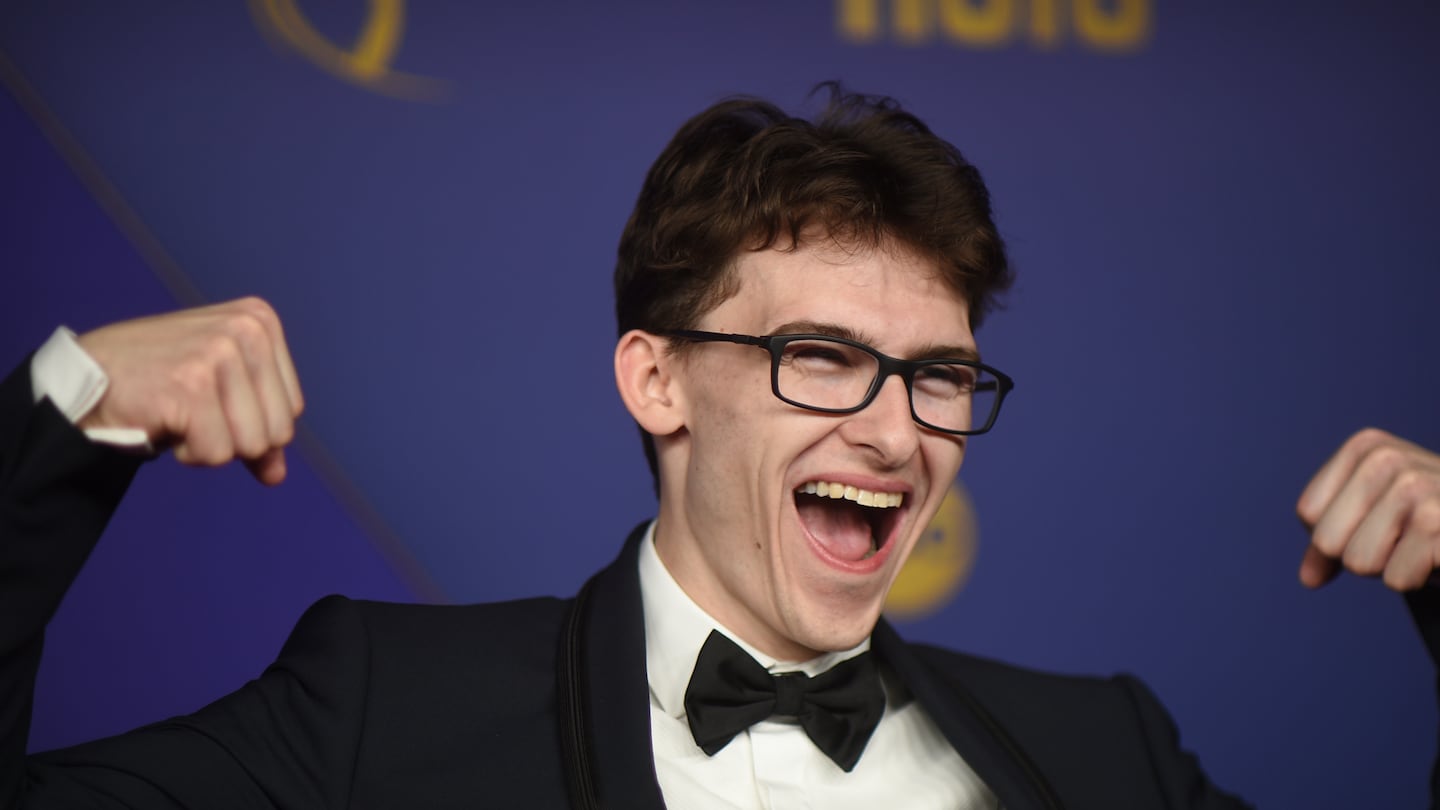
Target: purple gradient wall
1224 228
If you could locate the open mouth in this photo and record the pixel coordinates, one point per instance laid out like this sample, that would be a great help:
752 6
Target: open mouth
851 523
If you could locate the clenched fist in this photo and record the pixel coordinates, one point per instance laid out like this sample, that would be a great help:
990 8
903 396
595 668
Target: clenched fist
215 383
1374 509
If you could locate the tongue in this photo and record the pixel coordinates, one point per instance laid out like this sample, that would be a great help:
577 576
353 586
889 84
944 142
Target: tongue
840 526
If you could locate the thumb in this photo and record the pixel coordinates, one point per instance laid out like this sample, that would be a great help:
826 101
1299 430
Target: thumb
1316 569
269 469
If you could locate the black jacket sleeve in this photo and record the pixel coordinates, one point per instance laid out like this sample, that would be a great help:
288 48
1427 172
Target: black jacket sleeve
1424 607
57 492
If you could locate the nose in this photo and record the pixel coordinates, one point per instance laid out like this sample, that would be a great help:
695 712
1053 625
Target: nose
885 425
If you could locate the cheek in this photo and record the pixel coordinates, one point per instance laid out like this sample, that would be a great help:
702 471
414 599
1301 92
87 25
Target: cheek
944 451
725 395
734 417
943 456
730 448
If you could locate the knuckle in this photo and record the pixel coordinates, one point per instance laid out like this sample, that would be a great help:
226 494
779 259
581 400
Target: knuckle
256 306
1362 561
1328 542
253 446
195 378
221 352
1381 463
1399 579
1411 484
1368 439
264 316
1426 517
284 433
247 330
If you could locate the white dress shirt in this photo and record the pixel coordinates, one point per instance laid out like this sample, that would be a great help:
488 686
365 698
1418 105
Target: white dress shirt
907 764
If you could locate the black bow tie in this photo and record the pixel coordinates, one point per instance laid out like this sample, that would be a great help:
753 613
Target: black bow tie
729 692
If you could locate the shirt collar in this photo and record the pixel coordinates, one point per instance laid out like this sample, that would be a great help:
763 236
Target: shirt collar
676 628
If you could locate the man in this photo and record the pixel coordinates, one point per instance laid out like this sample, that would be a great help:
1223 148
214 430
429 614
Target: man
796 305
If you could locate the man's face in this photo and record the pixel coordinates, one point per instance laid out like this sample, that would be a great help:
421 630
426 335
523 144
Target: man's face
791 572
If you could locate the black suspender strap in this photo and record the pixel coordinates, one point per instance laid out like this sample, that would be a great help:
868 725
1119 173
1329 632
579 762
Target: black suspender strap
574 739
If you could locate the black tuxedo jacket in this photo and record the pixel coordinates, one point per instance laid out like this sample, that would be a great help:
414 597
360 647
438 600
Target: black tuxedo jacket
541 703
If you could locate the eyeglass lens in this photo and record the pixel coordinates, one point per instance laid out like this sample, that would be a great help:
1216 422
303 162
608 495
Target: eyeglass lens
837 376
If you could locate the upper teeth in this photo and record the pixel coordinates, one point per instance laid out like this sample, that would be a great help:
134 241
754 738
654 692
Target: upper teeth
864 497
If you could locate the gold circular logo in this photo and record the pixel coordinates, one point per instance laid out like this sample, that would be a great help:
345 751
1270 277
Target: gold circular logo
940 562
366 63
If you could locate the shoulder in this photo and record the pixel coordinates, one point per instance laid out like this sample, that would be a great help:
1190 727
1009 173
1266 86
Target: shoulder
1090 735
1008 689
444 646
999 683
396 626
496 622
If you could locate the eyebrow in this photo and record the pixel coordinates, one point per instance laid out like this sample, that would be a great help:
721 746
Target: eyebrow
930 351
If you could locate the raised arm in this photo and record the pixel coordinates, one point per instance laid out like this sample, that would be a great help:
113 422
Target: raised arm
214 384
1374 509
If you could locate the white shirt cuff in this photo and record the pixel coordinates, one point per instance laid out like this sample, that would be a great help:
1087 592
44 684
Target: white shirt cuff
75 383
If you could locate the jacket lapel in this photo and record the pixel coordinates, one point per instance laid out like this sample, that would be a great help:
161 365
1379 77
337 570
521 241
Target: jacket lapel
976 736
616 689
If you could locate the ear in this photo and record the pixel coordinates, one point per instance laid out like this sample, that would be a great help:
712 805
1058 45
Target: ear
643 373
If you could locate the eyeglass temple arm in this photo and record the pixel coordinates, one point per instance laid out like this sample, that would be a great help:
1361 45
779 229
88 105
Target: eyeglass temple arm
700 335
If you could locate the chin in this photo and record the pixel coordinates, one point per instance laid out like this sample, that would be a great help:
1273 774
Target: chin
840 629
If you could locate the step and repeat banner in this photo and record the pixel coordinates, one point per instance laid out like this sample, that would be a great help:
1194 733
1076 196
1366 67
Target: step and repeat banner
1223 216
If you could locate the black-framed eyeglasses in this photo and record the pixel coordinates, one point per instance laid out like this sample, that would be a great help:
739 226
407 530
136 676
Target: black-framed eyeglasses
835 375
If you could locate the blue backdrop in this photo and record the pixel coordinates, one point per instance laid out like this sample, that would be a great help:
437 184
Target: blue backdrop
1223 217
